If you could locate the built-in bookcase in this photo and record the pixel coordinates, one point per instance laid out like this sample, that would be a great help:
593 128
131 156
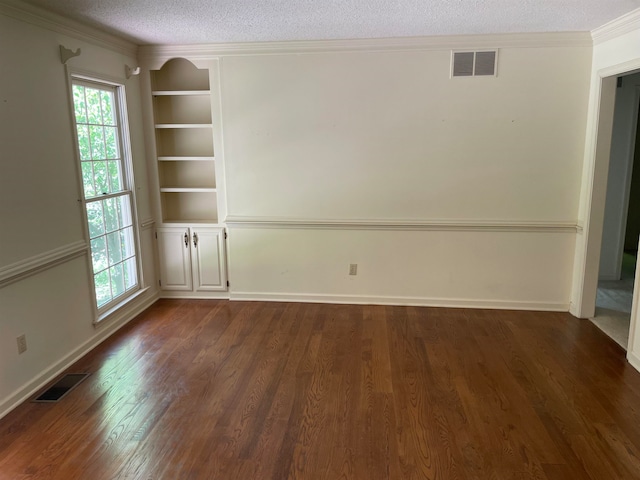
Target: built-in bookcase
184 143
185 118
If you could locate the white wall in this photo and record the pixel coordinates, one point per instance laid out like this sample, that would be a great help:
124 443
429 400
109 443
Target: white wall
39 211
371 135
442 268
384 139
619 178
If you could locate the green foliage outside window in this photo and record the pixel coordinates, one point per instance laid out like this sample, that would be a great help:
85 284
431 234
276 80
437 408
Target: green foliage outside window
109 219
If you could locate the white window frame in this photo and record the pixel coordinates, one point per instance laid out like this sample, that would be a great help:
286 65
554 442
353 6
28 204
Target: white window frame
83 77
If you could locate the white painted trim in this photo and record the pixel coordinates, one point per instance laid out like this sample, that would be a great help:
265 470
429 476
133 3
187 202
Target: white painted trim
634 360
380 224
161 53
214 295
146 224
573 310
617 27
624 68
400 301
120 309
41 262
65 26
57 368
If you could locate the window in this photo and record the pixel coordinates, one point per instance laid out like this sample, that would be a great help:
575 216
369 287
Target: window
108 199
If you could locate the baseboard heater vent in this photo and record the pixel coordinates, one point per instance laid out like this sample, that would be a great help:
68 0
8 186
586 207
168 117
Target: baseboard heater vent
59 389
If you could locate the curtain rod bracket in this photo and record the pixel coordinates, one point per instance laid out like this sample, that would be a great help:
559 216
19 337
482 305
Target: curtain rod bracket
130 71
66 54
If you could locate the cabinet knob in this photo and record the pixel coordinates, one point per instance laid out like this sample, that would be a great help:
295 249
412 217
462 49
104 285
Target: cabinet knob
195 239
186 240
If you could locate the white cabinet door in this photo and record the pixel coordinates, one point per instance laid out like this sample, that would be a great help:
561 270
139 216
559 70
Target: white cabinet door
207 259
175 259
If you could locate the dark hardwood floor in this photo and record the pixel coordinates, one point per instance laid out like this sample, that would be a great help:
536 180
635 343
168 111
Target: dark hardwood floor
239 390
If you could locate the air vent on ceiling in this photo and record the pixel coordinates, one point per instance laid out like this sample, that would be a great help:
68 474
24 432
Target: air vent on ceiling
474 64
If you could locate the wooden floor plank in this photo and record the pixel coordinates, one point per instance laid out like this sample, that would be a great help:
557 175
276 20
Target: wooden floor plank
207 389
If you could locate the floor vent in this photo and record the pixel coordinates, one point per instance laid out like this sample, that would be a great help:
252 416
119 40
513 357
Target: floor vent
63 386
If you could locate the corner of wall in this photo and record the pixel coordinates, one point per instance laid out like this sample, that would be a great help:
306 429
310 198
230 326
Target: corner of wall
104 331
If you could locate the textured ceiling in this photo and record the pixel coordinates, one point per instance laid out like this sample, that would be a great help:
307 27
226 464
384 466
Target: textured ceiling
217 21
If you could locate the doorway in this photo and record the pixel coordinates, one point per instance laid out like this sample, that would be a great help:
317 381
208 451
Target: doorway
614 299
621 226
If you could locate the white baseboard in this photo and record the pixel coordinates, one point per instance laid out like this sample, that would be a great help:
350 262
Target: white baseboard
634 360
574 310
402 301
103 332
196 295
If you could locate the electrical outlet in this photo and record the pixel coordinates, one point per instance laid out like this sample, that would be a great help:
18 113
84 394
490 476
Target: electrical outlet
353 269
22 343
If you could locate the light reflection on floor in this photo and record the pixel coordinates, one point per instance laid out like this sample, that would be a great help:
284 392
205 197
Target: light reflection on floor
127 385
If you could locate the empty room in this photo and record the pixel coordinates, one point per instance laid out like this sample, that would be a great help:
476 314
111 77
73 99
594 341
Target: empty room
316 240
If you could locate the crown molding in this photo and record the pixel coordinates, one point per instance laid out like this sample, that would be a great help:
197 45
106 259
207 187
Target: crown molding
59 24
617 27
511 40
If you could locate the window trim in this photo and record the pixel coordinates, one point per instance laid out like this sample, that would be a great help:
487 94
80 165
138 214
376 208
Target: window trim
73 74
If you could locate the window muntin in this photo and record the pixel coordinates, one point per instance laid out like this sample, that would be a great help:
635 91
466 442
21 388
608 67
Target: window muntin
107 194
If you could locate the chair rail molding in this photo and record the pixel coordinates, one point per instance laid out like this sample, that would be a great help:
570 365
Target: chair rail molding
39 263
234 221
